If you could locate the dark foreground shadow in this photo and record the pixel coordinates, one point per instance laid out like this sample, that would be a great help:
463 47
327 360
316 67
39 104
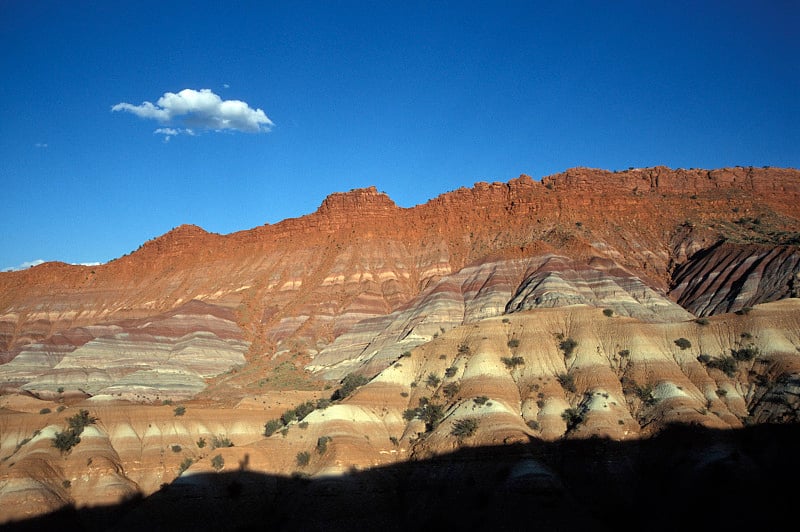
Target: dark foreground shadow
687 478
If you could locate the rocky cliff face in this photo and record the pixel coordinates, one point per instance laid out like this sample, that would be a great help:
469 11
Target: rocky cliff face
592 303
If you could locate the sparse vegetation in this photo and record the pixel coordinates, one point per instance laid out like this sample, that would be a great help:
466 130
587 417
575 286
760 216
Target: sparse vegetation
218 462
176 448
450 372
567 346
65 441
463 348
743 311
322 444
303 458
702 321
725 364
683 343
513 343
428 412
349 385
624 353
745 353
185 464
201 442
432 381
573 417
220 441
513 362
533 424
179 410
464 428
272 426
480 400
44 411
450 390
567 381
607 312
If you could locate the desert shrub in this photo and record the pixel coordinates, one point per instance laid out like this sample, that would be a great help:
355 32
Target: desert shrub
166 402
179 410
61 408
464 428
567 346
727 365
450 372
272 426
645 393
703 358
201 442
624 353
185 464
533 424
428 412
513 343
701 321
44 411
220 441
567 381
65 441
405 354
304 409
394 440
432 381
218 462
683 343
451 389
463 348
323 403
303 458
573 418
513 362
288 416
322 444
743 311
608 312
480 400
349 385
745 353
410 414
176 448
80 420
302 425
506 320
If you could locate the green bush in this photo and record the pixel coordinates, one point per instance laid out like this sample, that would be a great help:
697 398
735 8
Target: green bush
65 441
220 441
450 372
323 403
567 381
179 410
185 464
432 381
322 444
80 420
218 462
513 343
683 343
349 385
608 312
303 458
464 428
573 417
176 448
568 346
727 365
272 426
513 362
451 389
201 442
745 353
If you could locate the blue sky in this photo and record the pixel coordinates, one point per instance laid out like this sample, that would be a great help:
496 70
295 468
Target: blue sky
303 99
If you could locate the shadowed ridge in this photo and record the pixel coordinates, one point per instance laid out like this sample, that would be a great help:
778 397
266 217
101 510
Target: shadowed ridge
687 476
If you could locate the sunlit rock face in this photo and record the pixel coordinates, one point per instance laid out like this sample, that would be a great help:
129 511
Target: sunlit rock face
589 307
167 356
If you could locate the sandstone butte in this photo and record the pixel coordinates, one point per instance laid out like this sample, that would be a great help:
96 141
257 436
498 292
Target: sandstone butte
594 349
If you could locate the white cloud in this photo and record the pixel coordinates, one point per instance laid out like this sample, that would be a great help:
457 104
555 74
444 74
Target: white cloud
41 144
24 266
199 110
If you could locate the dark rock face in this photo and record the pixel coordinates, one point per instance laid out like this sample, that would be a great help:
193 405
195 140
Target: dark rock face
730 277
